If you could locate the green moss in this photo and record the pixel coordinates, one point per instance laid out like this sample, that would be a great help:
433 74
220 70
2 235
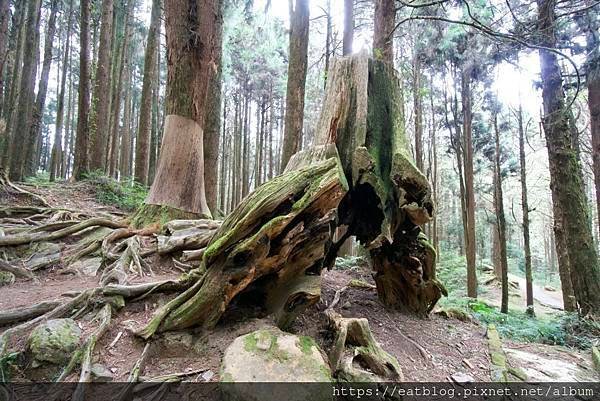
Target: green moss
498 359
253 342
306 344
148 215
518 373
6 278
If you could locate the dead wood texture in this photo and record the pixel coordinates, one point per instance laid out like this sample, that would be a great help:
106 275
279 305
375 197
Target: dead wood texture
358 175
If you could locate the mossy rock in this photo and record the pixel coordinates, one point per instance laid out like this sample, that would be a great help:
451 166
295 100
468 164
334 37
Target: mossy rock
6 278
271 355
54 341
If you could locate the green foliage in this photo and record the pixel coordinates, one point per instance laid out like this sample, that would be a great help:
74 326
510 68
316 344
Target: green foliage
41 179
349 262
126 195
6 362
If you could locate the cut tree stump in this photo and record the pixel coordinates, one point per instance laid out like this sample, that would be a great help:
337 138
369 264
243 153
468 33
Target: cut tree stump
359 175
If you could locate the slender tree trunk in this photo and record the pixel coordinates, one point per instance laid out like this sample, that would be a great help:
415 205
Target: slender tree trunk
525 209
68 152
383 37
142 144
566 180
38 109
55 161
418 111
348 27
100 112
500 219
297 67
213 119
4 38
19 151
469 186
81 164
15 60
118 91
125 148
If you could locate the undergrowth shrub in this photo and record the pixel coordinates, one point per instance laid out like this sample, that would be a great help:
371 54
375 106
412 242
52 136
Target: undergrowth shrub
126 195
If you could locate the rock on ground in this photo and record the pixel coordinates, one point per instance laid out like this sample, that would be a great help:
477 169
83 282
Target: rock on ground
54 341
271 355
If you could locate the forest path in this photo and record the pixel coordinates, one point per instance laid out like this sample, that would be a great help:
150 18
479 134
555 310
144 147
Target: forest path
550 299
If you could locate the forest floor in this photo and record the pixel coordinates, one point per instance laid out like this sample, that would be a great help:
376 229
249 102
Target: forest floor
430 349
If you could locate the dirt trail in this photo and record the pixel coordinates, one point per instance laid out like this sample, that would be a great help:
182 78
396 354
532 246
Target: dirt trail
550 299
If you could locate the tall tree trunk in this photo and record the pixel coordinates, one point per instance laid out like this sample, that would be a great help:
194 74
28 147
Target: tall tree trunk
81 163
178 188
18 154
469 178
68 152
213 119
4 39
383 36
125 148
418 110
35 130
100 113
297 67
566 180
118 91
348 27
55 161
500 219
14 62
525 210
142 143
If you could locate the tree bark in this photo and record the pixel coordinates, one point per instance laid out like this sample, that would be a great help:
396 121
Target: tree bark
566 180
55 162
18 154
383 37
275 244
142 143
4 38
81 163
418 110
525 210
469 178
297 67
178 188
500 219
125 148
100 112
35 130
213 120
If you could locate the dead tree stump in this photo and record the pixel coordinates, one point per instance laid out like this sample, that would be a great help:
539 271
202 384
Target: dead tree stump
359 176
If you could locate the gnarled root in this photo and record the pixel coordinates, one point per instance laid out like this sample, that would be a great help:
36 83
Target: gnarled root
355 356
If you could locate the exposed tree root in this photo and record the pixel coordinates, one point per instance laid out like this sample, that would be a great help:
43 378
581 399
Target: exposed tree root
26 238
8 185
88 350
69 308
26 313
17 271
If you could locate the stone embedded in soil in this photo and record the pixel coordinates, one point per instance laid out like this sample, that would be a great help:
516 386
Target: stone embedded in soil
6 278
271 355
54 341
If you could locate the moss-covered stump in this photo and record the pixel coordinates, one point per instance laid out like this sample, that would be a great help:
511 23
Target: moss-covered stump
357 178
270 355
389 198
54 341
596 359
